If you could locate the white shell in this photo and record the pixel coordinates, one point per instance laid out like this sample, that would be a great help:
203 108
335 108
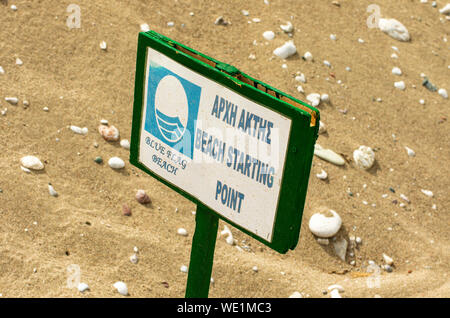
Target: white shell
125 143
52 191
269 35
296 294
326 63
400 85
145 27
182 232
333 37
335 294
446 9
121 288
255 269
116 163
286 50
134 259
82 287
301 78
287 27
396 71
325 98
31 162
323 225
404 197
300 89
410 152
103 45
230 240
12 100
388 260
364 157
78 130
328 155
184 268
428 193
395 29
443 93
314 99
308 56
322 175
25 169
19 61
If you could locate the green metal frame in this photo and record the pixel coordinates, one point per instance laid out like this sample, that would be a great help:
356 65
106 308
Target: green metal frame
300 146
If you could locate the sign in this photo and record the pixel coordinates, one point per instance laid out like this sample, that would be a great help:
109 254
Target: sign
238 148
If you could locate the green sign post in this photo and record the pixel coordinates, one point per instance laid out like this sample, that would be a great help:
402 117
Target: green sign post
237 147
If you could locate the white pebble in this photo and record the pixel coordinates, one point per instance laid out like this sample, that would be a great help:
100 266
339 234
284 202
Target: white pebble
428 193
443 93
82 287
361 40
31 162
182 232
314 99
125 143
348 69
296 294
308 56
322 128
245 12
145 27
52 190
333 37
394 56
255 269
301 78
328 155
134 259
446 9
335 294
410 152
388 260
286 50
422 101
103 45
404 197
45 109
19 61
170 24
269 35
325 98
121 288
322 175
78 130
12 100
396 71
2 71
116 163
287 27
364 157
326 63
358 240
325 224
300 89
336 286
184 268
400 85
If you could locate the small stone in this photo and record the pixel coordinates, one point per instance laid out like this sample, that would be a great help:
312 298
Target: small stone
19 61
340 247
328 155
364 157
142 197
103 45
245 12
184 269
78 130
82 287
358 240
335 294
52 190
300 89
121 288
256 20
31 162
325 98
404 197
134 259
428 193
286 50
269 35
400 85
422 101
388 260
301 78
2 71
308 56
255 269
116 163
296 294
443 93
446 9
104 122
12 100
322 128
313 99
45 109
287 28
410 152
109 133
221 21
396 71
333 37
145 27
323 241
125 144
322 175
182 232
326 63
98 160
126 210
325 223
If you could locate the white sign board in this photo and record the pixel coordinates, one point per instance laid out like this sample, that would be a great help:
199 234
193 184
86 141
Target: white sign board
218 146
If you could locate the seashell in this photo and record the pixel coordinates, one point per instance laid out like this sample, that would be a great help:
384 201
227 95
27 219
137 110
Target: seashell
335 294
443 93
410 152
12 100
328 155
109 133
125 143
255 269
121 288
286 50
327 63
325 98
446 9
296 294
308 56
396 71
269 35
358 240
126 210
184 268
387 259
25 169
31 162
322 128
19 61
340 247
182 232
78 130
300 89
82 287
52 190
301 78
428 193
145 27
116 163
394 28
314 99
287 28
322 175
103 45
404 197
364 157
400 85
325 224
134 259
142 197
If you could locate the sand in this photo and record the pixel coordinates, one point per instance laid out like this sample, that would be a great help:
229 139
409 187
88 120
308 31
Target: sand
66 71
